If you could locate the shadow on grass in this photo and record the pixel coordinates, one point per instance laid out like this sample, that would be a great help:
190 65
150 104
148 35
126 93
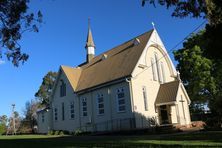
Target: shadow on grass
199 139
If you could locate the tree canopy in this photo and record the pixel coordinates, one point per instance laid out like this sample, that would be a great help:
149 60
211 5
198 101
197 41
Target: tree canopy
30 121
201 71
210 9
14 21
45 89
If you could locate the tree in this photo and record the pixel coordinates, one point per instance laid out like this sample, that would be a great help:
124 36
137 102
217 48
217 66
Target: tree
10 127
45 89
3 124
201 72
14 21
210 9
30 121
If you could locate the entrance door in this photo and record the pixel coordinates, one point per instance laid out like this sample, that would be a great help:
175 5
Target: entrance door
164 114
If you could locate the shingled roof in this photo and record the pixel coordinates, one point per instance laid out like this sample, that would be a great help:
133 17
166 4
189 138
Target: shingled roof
116 63
73 75
167 92
111 65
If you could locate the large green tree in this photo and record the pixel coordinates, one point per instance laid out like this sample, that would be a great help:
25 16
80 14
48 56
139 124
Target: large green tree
201 72
45 89
14 21
210 9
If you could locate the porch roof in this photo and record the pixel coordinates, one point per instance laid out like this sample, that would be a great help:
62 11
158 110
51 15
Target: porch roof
167 93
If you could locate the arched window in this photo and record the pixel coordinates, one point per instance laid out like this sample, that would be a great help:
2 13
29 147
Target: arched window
163 72
62 89
153 69
158 68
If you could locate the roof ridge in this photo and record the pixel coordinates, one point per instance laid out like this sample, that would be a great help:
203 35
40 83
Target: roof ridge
93 60
125 42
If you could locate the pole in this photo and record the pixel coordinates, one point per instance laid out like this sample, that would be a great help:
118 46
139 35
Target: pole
13 118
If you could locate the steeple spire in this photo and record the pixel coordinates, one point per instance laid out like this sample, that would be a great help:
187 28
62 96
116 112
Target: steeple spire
89 40
90 46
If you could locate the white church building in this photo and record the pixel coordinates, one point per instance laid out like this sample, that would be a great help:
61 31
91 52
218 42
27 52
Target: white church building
131 86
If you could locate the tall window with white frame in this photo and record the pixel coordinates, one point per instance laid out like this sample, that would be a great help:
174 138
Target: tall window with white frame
163 72
100 104
72 111
121 104
63 111
84 107
55 114
153 65
43 118
158 68
145 98
62 89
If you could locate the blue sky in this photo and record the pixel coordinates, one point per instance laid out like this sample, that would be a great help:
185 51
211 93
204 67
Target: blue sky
62 37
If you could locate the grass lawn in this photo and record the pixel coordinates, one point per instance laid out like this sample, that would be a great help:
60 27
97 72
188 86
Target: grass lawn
197 139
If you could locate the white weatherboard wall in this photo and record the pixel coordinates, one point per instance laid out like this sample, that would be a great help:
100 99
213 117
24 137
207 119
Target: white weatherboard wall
143 76
174 114
93 121
67 124
106 121
183 108
43 124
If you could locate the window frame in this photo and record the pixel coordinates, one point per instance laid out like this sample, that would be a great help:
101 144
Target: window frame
55 114
84 107
158 68
145 100
163 72
62 89
154 70
99 96
118 99
43 117
72 110
63 111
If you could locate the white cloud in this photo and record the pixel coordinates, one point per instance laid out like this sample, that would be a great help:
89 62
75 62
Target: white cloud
2 62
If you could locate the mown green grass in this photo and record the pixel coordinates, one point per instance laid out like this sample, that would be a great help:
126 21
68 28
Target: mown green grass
197 139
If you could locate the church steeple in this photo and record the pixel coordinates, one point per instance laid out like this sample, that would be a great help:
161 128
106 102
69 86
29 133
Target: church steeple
90 46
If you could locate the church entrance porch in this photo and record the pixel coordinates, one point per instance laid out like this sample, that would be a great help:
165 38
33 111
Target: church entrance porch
164 118
167 114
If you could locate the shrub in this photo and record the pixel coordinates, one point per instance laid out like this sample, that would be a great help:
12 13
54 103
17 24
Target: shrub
51 132
61 133
78 132
56 133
